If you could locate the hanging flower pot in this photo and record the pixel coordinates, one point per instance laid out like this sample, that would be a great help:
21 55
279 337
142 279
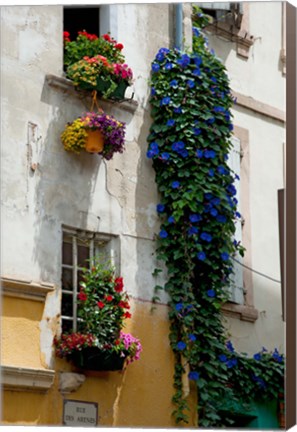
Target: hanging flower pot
94 142
95 132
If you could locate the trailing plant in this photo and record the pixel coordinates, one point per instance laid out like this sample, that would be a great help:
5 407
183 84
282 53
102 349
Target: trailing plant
189 142
102 308
75 134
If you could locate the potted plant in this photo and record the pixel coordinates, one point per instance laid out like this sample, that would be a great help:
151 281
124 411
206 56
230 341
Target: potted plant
94 63
103 306
95 132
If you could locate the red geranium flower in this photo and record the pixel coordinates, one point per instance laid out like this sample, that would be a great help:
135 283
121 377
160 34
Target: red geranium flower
119 284
127 315
106 37
119 46
82 296
100 305
109 298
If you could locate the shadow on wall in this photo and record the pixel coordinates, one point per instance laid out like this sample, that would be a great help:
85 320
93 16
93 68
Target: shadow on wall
64 185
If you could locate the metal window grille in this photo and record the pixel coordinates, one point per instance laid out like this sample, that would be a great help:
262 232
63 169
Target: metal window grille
78 252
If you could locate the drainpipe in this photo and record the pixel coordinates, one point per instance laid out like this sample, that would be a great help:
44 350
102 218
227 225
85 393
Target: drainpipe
179 26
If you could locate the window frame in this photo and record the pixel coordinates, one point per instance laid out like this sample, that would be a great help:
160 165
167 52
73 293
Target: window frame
95 241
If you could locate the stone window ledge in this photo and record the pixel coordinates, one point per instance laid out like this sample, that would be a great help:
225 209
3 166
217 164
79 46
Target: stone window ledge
25 289
66 85
26 379
242 312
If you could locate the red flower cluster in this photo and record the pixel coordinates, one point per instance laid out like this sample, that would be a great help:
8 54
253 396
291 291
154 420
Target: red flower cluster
66 36
88 35
118 46
82 296
119 284
71 342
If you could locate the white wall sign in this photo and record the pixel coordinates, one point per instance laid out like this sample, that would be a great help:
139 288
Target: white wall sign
79 413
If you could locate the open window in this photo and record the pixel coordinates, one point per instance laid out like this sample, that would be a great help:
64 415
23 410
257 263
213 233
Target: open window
79 18
78 251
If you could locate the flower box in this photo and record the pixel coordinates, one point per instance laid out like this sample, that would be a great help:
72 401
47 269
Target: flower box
102 87
93 358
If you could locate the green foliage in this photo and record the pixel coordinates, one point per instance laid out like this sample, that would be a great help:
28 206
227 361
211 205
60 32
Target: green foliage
189 142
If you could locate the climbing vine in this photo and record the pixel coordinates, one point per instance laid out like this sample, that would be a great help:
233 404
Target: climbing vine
189 143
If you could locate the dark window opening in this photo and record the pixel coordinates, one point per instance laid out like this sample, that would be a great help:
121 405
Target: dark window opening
81 18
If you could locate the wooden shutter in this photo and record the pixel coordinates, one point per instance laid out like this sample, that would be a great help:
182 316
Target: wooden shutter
236 280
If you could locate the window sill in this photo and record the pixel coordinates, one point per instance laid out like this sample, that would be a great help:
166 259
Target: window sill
66 85
27 379
25 289
242 312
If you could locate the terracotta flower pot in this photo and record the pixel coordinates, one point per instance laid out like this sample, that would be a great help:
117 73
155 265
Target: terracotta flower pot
95 142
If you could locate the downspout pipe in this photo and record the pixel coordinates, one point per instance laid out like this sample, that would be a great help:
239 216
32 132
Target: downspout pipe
179 26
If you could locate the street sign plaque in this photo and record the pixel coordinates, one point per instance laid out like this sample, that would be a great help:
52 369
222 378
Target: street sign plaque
80 413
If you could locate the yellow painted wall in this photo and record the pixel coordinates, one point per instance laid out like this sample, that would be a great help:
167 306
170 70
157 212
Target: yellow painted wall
140 396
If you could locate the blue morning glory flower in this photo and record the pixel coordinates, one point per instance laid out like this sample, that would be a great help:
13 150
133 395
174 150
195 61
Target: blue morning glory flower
195 31
219 109
160 56
231 127
214 79
179 307
191 83
197 60
208 196
209 154
231 189
211 120
205 236
213 212
192 230
154 146
163 234
171 219
232 362
153 91
221 218
211 293
173 83
192 337
178 110
197 72
165 101
211 172
216 201
168 66
184 153
178 145
155 67
223 358
225 256
237 214
184 61
195 217
165 156
175 184
193 375
257 356
199 153
222 170
170 122
181 346
197 131
160 208
201 256
229 346
150 154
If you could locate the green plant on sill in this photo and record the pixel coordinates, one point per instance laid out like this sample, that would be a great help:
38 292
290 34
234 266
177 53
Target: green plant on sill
189 142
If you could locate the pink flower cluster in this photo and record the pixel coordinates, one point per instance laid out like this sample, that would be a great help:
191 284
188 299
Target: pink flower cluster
131 344
123 71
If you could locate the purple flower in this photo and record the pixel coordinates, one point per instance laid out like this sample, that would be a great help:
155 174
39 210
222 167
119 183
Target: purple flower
193 375
237 214
232 362
160 208
177 146
211 293
222 170
201 256
170 122
175 184
181 346
163 234
150 154
225 256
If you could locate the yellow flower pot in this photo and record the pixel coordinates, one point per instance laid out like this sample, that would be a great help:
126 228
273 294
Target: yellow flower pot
95 142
